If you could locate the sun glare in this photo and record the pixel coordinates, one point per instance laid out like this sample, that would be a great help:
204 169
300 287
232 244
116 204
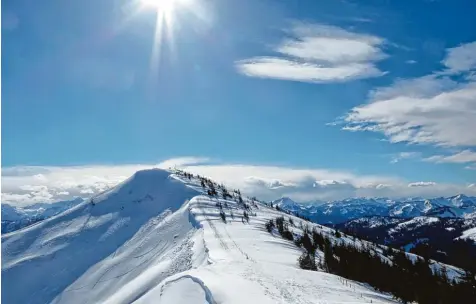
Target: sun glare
165 6
168 14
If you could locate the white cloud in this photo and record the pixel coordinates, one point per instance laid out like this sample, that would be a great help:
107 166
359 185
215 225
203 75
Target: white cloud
403 155
433 109
411 61
421 184
182 161
331 44
422 87
461 58
462 157
29 184
319 53
443 119
20 185
284 69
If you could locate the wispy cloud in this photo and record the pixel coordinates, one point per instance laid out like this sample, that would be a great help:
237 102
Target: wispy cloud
421 184
319 53
179 162
462 157
465 156
433 109
404 155
461 58
28 185
284 69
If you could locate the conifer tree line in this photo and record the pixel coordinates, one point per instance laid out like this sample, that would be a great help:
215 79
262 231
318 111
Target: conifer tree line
409 281
216 190
448 249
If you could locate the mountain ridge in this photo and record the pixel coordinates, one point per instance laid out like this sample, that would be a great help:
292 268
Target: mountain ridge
177 238
340 211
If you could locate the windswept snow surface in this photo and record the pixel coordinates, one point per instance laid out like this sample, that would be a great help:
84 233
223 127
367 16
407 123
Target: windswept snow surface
246 264
156 239
469 234
92 252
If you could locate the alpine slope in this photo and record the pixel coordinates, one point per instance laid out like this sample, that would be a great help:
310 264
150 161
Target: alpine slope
159 238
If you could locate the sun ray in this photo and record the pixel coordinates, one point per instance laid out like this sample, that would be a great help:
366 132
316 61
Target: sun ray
167 13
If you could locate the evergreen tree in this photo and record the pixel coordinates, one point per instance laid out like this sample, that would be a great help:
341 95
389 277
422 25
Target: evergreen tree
307 243
223 216
409 280
307 261
269 226
246 216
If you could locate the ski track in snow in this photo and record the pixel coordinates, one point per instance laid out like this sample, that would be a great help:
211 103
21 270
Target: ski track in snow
197 281
215 230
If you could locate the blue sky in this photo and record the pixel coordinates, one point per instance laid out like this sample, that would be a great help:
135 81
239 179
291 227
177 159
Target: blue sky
381 89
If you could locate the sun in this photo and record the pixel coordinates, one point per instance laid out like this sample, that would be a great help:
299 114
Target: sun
167 14
163 6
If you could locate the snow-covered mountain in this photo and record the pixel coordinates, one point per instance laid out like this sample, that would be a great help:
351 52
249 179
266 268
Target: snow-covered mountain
155 238
446 239
14 218
344 210
390 229
287 203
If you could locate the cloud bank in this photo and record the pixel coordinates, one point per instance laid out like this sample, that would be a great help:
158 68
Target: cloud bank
27 185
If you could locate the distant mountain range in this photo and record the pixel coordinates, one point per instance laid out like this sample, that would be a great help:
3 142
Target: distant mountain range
14 218
451 240
441 228
335 212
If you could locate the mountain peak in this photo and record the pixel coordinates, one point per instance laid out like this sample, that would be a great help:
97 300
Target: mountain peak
149 182
352 208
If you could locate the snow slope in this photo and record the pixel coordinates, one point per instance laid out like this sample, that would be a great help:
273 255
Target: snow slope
469 234
14 218
90 251
156 239
249 265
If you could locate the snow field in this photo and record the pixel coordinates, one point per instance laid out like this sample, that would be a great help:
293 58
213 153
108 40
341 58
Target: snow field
156 239
249 265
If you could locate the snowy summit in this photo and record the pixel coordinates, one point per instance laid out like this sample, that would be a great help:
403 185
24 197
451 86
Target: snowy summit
157 238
